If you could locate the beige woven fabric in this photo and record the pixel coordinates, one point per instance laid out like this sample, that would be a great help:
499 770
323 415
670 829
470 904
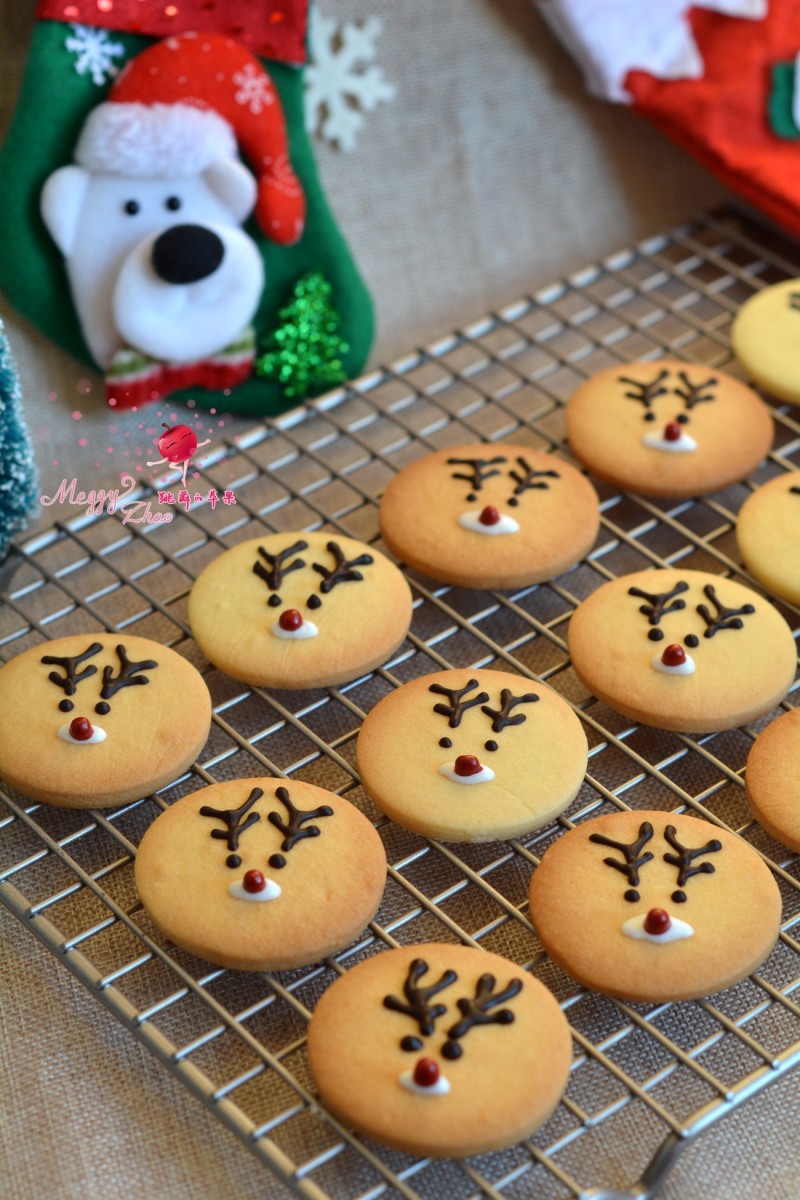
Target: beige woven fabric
490 175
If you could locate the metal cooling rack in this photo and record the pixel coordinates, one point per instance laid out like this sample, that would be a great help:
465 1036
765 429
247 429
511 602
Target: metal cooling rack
646 1079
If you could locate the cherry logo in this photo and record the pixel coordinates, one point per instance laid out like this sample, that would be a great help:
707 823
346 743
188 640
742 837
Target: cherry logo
178 445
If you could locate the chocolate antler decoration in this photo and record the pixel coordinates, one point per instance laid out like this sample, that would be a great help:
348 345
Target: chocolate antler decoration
795 489
481 469
478 1011
458 705
685 857
344 571
233 819
694 393
69 681
508 701
419 998
277 567
658 603
128 673
633 859
296 829
645 393
794 300
527 478
725 618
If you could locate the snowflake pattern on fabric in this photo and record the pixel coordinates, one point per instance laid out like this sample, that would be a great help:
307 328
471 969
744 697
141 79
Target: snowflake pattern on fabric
95 53
342 82
254 89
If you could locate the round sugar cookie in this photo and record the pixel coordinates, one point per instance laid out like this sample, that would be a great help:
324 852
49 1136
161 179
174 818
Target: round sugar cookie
668 428
490 516
765 337
772 779
768 535
261 874
299 610
96 719
472 756
682 650
440 1050
654 906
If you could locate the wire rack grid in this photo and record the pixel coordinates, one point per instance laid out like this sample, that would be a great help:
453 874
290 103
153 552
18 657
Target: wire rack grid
646 1079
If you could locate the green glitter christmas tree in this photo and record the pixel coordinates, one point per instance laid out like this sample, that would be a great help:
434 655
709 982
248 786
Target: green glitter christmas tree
17 472
305 352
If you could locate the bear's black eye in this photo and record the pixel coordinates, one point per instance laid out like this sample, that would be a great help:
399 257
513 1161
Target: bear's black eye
132 207
173 203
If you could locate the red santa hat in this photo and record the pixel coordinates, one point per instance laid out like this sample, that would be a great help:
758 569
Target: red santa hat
183 104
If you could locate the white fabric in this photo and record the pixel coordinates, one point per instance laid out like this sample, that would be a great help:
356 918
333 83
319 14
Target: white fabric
609 38
146 140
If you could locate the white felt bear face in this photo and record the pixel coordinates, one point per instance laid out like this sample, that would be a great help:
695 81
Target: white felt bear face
158 264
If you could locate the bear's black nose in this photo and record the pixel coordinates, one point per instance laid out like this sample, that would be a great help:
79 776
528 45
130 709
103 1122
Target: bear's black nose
186 254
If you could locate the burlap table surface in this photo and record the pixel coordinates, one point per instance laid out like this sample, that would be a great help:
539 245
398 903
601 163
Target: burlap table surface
488 176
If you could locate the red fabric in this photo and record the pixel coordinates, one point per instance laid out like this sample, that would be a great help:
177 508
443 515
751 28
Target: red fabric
212 71
274 29
722 118
165 378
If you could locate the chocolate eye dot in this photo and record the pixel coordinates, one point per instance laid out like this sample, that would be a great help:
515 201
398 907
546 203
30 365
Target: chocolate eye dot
451 1050
490 745
274 601
173 203
631 895
445 743
691 640
656 635
314 602
649 416
682 419
233 861
513 502
276 861
471 497
131 207
102 708
679 897
411 1043
66 706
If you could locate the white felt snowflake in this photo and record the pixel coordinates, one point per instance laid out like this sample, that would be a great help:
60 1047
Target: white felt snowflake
254 89
342 83
95 53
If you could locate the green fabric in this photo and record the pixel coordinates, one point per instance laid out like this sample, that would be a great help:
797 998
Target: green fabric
779 105
53 104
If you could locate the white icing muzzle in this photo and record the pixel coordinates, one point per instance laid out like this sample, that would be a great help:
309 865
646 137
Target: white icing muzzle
440 1088
98 735
482 776
634 928
684 668
472 520
270 892
307 630
682 445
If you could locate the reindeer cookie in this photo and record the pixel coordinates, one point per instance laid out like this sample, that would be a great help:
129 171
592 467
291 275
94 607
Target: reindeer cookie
768 535
440 1050
682 650
668 428
772 779
299 610
95 719
472 756
260 874
490 516
765 336
654 906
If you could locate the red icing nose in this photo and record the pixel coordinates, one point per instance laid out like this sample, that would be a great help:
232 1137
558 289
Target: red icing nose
81 729
674 656
489 515
254 881
467 764
657 921
672 432
426 1072
290 619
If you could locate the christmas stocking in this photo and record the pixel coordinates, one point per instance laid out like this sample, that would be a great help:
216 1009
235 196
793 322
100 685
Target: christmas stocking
164 220
720 77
